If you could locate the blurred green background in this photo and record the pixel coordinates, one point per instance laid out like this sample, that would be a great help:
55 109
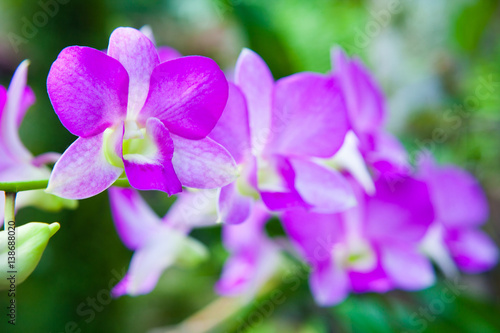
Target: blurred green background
439 64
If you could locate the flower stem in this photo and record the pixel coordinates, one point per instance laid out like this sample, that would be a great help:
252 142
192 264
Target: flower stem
10 208
24 186
42 184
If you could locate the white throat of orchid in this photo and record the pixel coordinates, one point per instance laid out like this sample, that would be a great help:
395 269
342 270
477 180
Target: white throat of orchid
268 178
136 146
354 254
349 158
434 247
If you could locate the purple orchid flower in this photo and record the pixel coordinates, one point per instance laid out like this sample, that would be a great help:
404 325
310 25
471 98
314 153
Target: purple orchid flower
454 239
372 247
366 112
16 162
136 114
158 243
280 133
254 256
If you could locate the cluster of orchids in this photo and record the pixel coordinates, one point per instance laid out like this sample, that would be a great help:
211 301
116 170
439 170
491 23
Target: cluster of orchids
238 149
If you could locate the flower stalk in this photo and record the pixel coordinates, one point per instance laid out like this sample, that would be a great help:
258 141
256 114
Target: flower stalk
15 187
10 206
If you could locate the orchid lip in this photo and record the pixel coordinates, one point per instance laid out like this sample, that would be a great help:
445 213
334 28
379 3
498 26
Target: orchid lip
136 143
357 255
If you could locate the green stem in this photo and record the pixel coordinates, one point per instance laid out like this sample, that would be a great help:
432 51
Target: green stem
23 186
42 184
10 208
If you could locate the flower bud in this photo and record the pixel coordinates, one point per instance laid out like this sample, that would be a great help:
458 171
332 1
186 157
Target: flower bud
21 249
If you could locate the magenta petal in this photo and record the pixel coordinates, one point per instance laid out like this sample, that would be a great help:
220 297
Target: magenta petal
329 284
202 163
135 221
27 100
83 171
326 190
254 257
232 130
149 262
458 198
168 53
309 116
138 55
88 90
245 272
256 82
373 281
233 207
313 234
247 234
237 273
364 99
281 194
388 154
154 171
472 250
188 95
15 106
408 269
193 209
3 100
400 210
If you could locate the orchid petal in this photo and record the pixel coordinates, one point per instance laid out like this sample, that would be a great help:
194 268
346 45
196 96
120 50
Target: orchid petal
309 116
168 53
256 82
232 130
254 257
326 190
149 262
153 170
202 163
364 99
373 281
15 106
83 170
22 172
349 158
138 55
245 272
247 234
409 269
472 250
400 210
388 155
193 209
329 284
3 100
27 100
233 207
88 90
135 221
188 95
458 198
276 184
313 234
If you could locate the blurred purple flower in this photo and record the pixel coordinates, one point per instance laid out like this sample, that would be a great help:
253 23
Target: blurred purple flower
158 243
279 134
372 247
461 208
367 112
254 256
16 162
133 112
